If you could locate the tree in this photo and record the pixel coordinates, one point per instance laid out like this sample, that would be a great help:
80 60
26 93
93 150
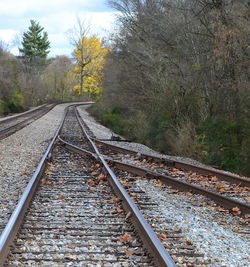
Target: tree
35 43
90 58
76 35
58 78
178 74
34 50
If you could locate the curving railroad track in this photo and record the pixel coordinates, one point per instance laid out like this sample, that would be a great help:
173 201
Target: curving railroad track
230 191
75 212
13 124
84 205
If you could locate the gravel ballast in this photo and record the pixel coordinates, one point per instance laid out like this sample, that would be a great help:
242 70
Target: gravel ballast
20 153
220 236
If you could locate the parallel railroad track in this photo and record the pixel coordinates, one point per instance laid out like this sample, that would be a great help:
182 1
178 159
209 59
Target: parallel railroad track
227 190
180 249
10 125
72 217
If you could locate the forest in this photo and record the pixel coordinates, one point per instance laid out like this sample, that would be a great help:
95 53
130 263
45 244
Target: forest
178 79
174 75
33 78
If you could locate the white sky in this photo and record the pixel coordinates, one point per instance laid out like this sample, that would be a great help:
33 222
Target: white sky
56 16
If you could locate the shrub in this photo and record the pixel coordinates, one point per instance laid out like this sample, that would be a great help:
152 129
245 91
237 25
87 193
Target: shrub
16 102
2 106
114 120
225 142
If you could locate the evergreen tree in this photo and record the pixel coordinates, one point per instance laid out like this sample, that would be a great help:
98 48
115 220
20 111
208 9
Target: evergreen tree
35 43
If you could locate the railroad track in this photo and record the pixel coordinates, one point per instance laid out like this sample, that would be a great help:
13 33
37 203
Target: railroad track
10 125
129 176
78 189
69 214
230 191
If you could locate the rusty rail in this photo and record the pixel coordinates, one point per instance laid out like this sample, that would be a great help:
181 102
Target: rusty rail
226 202
232 178
149 238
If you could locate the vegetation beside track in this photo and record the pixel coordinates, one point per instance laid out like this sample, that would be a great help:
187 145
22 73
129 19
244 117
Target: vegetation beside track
177 79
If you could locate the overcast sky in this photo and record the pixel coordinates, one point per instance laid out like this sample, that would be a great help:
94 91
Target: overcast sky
56 16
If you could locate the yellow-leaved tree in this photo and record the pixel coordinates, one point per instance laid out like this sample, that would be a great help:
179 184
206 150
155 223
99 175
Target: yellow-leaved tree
90 58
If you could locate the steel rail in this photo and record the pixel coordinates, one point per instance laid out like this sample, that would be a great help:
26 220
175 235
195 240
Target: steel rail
149 238
11 229
17 216
232 178
226 202
14 117
12 129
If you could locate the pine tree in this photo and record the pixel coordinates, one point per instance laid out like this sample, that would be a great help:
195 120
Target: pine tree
35 43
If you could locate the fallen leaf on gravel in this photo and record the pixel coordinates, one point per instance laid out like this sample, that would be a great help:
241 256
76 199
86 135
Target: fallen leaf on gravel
114 200
48 172
159 183
61 197
30 240
155 218
247 198
53 168
124 182
100 178
163 237
63 229
220 189
125 238
238 228
71 257
118 209
46 182
128 215
93 173
235 211
26 173
214 179
129 253
53 185
187 243
91 182
221 209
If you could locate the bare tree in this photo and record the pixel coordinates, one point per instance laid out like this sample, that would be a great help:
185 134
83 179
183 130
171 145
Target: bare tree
76 37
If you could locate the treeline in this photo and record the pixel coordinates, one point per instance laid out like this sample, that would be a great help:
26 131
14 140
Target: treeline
32 78
24 84
178 78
